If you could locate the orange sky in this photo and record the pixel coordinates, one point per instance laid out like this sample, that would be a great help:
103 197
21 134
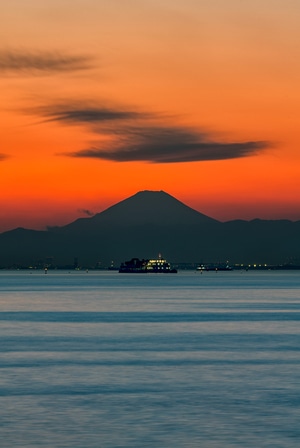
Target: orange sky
101 99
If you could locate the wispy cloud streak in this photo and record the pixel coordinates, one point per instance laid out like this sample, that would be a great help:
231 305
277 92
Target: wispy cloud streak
40 63
172 145
86 114
86 212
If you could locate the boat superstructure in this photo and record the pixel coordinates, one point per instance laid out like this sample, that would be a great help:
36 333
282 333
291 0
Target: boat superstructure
154 265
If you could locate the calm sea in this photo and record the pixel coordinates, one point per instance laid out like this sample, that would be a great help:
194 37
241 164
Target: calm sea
102 359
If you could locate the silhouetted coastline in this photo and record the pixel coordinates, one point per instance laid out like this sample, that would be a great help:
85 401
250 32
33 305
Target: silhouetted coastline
148 223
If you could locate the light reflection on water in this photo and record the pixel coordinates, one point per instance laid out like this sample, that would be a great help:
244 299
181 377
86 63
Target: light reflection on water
186 360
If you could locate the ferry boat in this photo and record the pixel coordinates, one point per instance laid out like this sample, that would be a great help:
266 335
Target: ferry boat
157 266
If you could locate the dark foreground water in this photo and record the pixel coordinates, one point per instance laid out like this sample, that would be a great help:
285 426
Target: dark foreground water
135 360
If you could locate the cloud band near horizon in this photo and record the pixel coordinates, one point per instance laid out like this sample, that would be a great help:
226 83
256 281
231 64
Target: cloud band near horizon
182 152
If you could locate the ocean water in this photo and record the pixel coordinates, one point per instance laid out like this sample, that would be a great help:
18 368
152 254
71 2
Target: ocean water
102 359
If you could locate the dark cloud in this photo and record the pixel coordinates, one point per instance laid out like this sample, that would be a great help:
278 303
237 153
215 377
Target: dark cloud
40 63
3 157
86 212
138 136
77 114
171 145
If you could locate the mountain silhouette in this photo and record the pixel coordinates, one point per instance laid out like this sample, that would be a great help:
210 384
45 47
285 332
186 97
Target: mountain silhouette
143 208
148 223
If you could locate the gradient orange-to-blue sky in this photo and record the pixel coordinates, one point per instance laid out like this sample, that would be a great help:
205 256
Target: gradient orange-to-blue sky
103 98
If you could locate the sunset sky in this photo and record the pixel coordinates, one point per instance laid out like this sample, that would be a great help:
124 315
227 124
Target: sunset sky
104 98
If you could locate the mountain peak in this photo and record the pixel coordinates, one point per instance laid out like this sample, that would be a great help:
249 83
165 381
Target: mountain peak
151 194
152 207
148 207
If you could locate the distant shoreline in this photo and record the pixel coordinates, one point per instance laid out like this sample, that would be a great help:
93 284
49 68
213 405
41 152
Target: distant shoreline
179 266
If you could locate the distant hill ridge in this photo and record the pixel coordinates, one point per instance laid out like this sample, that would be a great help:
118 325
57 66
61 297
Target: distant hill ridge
148 223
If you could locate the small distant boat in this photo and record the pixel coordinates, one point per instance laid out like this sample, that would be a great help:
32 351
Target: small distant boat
156 266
